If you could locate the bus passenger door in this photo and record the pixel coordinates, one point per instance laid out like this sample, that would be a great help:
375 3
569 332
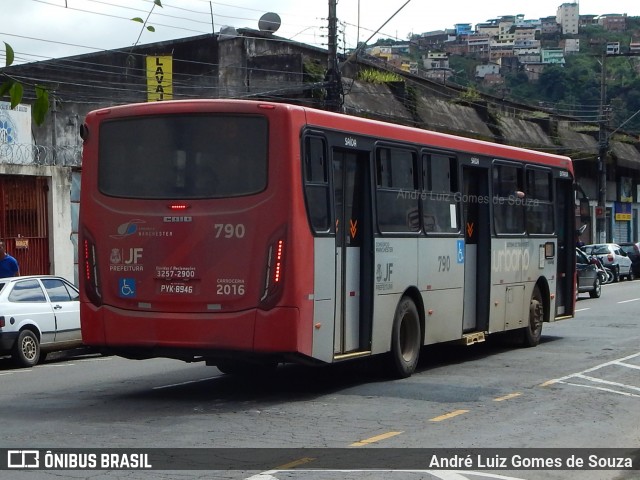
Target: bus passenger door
477 249
566 230
354 240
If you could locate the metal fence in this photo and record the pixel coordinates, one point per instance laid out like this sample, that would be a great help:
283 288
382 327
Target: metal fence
29 154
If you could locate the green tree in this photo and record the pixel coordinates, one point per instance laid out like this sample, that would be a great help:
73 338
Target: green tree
14 89
554 83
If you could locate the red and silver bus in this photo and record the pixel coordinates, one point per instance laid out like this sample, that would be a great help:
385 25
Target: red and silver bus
249 233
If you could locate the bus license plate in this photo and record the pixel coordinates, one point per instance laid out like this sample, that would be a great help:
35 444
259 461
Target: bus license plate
190 288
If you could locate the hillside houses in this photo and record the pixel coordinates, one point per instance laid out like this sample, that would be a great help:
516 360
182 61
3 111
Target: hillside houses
509 41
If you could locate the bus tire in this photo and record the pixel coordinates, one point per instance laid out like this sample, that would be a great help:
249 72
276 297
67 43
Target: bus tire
26 350
406 339
533 330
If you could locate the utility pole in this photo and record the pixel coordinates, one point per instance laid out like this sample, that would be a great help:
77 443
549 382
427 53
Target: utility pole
332 79
54 123
603 147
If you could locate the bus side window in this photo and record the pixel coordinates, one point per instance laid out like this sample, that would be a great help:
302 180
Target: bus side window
539 198
508 207
316 183
396 185
440 183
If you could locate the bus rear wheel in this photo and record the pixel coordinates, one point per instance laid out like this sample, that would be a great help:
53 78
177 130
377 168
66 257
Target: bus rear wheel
406 339
533 331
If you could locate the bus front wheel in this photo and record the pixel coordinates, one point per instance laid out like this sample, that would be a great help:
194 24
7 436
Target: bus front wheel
405 339
533 331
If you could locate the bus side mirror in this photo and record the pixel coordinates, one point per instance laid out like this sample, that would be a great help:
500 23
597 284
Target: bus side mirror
585 210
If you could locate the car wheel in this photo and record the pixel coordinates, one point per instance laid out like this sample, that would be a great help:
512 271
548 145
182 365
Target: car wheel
631 275
26 351
597 289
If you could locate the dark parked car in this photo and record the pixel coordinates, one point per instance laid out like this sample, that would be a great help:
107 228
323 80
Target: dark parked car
588 279
38 314
633 252
612 257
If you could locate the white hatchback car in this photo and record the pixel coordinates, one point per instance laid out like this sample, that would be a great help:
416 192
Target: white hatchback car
613 257
38 314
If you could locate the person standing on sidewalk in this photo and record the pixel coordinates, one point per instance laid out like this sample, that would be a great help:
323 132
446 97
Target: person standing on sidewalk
8 265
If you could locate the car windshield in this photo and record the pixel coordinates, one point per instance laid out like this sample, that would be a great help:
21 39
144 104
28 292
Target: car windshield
600 250
627 248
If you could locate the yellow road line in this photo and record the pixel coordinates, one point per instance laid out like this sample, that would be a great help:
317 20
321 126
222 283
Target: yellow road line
549 382
507 397
375 439
447 416
295 463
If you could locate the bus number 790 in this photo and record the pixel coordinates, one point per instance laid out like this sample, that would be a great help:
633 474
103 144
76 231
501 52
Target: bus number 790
444 263
229 230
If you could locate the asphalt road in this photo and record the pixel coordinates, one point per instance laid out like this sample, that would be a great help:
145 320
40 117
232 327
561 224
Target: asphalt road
580 388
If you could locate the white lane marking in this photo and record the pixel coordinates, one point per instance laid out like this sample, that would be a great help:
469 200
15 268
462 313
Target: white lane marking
97 359
24 370
264 476
597 367
443 475
632 300
184 383
607 382
583 309
610 390
582 375
628 365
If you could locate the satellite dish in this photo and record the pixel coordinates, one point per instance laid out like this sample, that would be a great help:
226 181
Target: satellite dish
227 33
269 22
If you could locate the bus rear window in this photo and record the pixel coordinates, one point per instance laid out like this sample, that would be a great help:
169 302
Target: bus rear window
183 156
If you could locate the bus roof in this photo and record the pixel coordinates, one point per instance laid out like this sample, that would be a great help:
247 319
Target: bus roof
339 121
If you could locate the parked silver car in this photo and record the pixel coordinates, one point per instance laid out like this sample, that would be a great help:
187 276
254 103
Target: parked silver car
38 314
587 276
614 257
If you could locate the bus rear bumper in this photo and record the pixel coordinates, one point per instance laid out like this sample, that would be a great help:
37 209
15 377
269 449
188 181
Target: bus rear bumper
278 330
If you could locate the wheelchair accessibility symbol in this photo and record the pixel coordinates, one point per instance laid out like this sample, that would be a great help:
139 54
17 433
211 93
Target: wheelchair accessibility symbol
460 254
127 287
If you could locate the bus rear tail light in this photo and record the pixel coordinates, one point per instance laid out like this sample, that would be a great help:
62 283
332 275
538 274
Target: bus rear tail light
177 207
274 272
90 272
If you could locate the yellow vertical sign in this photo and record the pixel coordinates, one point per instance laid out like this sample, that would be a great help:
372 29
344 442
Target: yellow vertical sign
159 78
